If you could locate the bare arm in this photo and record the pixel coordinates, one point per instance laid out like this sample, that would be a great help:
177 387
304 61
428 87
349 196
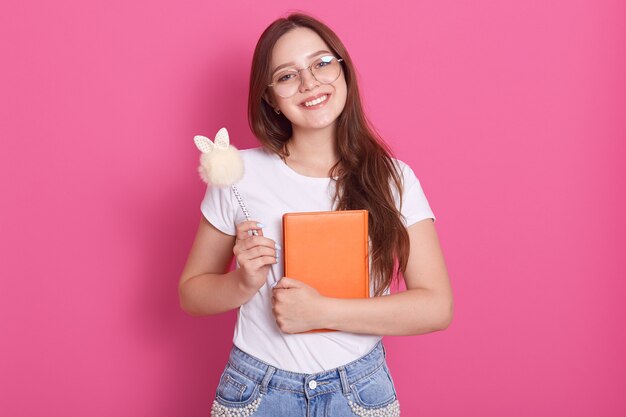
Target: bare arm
204 287
426 306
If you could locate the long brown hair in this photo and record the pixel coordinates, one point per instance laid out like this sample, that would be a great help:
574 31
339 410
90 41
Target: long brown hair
365 167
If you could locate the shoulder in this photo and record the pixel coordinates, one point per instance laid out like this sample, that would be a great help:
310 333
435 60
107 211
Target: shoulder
412 203
259 163
406 173
400 164
256 154
255 157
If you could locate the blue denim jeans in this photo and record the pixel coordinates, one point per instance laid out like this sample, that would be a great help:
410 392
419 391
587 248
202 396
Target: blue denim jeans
251 387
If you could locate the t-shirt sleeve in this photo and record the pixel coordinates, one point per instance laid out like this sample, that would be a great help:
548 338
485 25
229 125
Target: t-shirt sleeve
218 208
415 206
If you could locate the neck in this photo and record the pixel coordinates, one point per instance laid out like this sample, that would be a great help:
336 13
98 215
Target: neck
313 146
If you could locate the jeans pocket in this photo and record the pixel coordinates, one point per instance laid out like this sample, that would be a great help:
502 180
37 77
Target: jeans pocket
236 394
375 394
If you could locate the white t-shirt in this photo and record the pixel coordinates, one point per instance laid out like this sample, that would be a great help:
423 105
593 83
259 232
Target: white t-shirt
270 188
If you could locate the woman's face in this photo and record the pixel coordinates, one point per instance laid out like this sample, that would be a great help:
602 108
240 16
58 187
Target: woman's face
298 48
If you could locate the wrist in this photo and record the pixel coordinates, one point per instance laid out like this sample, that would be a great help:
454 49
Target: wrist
327 313
244 288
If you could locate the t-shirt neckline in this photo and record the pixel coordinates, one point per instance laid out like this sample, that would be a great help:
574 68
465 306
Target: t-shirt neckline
293 173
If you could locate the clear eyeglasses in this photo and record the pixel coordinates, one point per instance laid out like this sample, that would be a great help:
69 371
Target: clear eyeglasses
325 69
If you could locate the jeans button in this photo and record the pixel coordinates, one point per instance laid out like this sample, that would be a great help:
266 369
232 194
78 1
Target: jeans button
312 384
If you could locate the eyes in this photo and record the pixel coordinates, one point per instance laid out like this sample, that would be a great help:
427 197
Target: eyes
317 65
286 77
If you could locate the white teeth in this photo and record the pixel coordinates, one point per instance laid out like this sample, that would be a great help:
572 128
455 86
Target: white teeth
316 101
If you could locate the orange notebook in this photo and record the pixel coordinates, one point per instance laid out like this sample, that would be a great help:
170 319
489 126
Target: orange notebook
329 251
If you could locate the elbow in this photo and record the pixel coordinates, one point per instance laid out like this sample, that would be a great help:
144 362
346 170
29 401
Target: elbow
192 306
184 307
447 314
184 303
190 310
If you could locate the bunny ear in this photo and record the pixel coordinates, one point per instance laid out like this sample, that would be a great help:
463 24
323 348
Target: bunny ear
203 143
221 139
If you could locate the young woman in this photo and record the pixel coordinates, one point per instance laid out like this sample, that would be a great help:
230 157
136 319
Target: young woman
318 153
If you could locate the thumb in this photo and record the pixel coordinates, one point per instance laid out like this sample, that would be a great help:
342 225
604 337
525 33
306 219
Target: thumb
286 282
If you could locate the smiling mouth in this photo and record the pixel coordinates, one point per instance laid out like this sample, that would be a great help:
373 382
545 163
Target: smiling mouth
317 101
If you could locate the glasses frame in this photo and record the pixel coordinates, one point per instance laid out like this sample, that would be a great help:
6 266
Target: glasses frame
339 60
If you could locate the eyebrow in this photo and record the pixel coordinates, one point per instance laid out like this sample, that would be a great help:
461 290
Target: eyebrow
293 63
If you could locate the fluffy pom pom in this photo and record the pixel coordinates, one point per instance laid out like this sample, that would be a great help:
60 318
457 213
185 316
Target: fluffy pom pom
221 167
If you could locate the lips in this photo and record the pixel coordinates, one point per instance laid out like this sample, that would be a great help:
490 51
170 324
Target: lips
315 97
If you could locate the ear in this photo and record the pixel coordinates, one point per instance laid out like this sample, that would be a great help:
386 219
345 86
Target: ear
269 99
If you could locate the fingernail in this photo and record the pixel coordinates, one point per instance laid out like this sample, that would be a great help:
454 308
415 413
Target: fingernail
260 225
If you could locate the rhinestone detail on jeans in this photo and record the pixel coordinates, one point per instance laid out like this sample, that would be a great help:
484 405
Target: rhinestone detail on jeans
390 410
219 410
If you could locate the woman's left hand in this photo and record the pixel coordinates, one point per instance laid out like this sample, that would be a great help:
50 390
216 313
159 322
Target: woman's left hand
297 306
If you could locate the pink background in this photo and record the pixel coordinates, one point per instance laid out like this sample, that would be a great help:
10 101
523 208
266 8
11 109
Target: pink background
512 114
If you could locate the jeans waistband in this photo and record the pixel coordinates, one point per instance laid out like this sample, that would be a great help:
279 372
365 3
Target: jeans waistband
317 383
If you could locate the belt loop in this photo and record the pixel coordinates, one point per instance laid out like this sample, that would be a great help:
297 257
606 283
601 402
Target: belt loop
266 379
344 380
384 351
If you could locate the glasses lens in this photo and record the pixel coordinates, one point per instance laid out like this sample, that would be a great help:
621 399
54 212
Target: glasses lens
326 69
286 83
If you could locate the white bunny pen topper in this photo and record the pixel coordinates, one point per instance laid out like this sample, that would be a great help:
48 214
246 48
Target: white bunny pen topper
221 165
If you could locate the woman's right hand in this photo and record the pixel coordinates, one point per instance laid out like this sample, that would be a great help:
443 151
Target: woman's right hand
255 254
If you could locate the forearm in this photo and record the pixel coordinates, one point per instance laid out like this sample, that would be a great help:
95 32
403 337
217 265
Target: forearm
210 294
414 311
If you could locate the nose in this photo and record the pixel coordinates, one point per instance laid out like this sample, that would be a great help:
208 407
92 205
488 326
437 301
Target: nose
307 80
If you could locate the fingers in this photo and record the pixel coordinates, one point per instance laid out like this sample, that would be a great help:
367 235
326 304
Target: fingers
247 241
244 229
250 247
261 261
286 282
264 253
254 241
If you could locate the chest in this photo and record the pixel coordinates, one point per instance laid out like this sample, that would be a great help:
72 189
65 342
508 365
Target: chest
267 199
